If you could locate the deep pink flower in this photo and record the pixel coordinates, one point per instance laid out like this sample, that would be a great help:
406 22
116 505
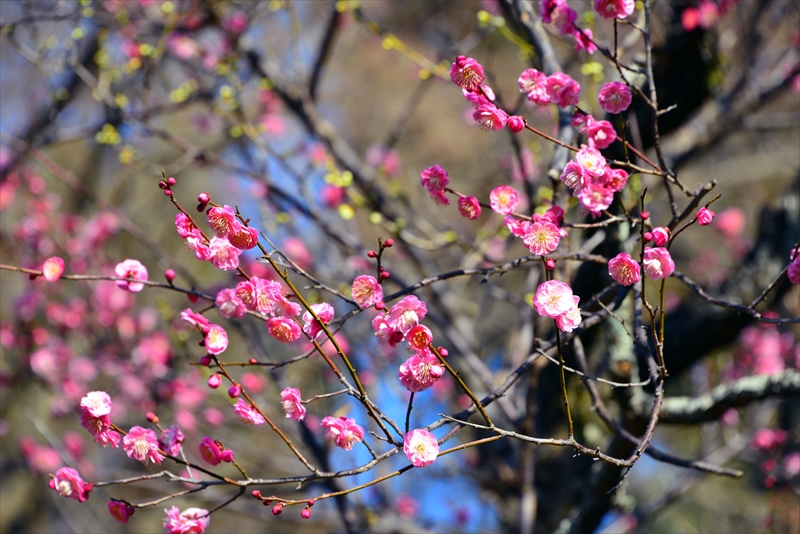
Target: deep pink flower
407 314
131 269
583 41
766 439
283 329
194 318
222 220
325 313
563 17
366 291
615 179
553 298
542 238
469 207
171 440
229 305
610 9
503 199
434 179
386 334
563 90
658 263
68 483
100 429
595 197
53 268
592 161
184 225
97 403
331 196
624 269
235 22
731 222
210 451
421 447
343 431
419 337
247 414
420 371
601 134
794 271
142 444
292 404
516 123
243 237
534 84
120 510
660 235
518 227
570 320
467 73
216 339
574 176
223 255
615 97
198 246
478 99
440 198
490 117
190 521
705 216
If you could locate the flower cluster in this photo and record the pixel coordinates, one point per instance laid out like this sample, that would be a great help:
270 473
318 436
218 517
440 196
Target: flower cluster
592 181
96 418
230 239
555 299
190 521
215 338
541 89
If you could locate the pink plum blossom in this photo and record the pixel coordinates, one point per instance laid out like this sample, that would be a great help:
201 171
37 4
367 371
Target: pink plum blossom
658 263
595 197
210 451
705 216
469 207
68 483
624 270
420 371
198 246
553 298
223 255
343 431
247 413
384 332
570 320
216 339
407 313
592 161
542 238
195 318
573 175
615 97
490 117
190 521
583 41
420 447
53 268
366 291
120 510
794 271
292 404
440 198
325 313
171 440
419 337
610 9
283 329
601 134
243 237
434 179
503 199
134 270
563 90
229 305
184 225
660 235
222 220
97 403
100 429
142 444
518 227
534 84
467 73
563 17
516 123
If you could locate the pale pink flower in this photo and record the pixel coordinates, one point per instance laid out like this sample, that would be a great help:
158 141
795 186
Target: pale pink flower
534 84
553 298
229 305
366 291
434 179
503 199
325 313
660 235
610 9
573 176
195 318
615 97
292 404
343 431
120 510
210 451
224 256
97 403
283 329
53 268
407 314
595 197
68 483
658 263
216 339
243 237
469 207
142 444
569 321
222 220
419 337
420 371
184 225
542 238
518 227
467 73
794 271
624 270
131 269
190 521
247 413
490 117
198 246
421 447
601 134
792 464
563 90
731 222
705 216
171 440
592 161
615 179
583 41
563 17
100 429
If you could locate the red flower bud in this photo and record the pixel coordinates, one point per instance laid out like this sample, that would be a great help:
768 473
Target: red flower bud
372 254
385 275
204 198
252 361
171 181
388 243
380 306
192 298
306 513
645 215
443 352
256 494
170 275
162 185
153 418
550 264
234 391
277 509
648 236
168 192
214 381
205 361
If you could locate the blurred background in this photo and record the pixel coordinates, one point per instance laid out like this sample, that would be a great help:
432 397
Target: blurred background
315 118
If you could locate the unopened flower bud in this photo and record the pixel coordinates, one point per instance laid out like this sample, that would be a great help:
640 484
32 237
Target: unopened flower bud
171 181
648 236
170 275
266 503
372 254
32 276
234 391
192 298
168 192
385 275
389 243
153 418
277 509
205 361
645 215
550 264
306 513
443 352
202 342
252 361
204 198
162 185
380 306
311 502
227 456
214 381
516 123
256 494
201 207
